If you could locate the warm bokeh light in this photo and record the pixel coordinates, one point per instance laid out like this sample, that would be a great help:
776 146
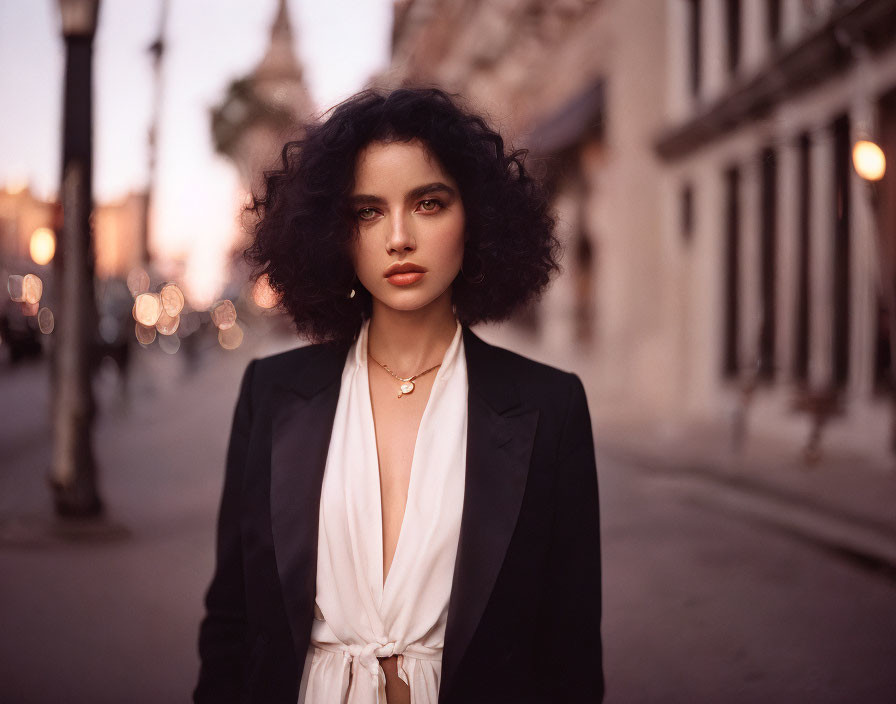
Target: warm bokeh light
32 289
42 245
145 334
30 309
147 309
167 324
868 160
224 314
230 338
138 281
172 299
262 293
14 285
45 320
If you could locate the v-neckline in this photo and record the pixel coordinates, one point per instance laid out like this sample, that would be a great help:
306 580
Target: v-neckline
383 580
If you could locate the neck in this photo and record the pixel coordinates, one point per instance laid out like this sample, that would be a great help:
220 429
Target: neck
408 341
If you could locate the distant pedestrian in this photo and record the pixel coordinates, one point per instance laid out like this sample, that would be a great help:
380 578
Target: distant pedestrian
409 513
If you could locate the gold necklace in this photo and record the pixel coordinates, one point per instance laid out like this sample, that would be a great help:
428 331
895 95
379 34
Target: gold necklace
407 385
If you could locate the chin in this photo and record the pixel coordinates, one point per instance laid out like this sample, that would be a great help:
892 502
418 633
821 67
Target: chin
408 303
409 299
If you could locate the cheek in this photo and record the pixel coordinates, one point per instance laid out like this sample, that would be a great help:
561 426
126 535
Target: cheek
362 257
454 237
450 249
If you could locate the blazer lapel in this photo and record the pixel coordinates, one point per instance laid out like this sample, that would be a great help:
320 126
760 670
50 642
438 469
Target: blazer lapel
301 425
500 436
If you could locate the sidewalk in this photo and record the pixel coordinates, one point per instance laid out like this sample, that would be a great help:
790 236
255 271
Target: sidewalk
115 610
846 503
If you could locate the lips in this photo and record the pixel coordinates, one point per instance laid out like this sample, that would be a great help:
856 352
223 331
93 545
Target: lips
403 268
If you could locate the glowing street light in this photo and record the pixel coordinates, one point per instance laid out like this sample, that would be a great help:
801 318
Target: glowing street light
42 245
868 160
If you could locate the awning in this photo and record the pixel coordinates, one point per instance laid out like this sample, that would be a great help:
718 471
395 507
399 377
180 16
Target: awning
581 116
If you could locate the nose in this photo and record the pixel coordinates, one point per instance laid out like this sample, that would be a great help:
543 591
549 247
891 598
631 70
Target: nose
401 236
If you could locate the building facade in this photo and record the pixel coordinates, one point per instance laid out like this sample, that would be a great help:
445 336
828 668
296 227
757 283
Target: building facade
261 111
117 235
720 247
21 213
777 248
580 83
117 230
258 115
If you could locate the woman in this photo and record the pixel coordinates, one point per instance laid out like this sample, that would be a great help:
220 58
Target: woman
409 514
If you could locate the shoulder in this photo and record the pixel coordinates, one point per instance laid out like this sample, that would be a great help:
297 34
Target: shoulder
531 370
282 364
304 369
537 382
558 395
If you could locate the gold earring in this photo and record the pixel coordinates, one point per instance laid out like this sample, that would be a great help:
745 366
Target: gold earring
352 294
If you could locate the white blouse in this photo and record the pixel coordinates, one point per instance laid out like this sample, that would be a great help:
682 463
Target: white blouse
357 617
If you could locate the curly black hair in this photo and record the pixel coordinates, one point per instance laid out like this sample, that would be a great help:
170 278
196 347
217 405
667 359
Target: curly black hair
303 226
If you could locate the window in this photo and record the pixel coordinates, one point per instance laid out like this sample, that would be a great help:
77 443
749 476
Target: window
768 263
694 21
687 213
841 280
731 268
801 338
732 22
773 21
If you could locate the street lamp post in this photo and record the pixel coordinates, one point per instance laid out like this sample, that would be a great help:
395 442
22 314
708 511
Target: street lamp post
157 51
73 471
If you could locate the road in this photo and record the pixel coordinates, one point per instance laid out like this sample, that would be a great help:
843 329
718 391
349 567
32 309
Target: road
701 604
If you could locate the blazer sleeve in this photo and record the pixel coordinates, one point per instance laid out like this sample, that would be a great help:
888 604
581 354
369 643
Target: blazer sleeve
222 632
572 652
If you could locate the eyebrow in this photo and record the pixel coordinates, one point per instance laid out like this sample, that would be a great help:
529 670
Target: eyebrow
414 193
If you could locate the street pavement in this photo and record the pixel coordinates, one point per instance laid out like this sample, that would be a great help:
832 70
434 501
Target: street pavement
712 593
844 502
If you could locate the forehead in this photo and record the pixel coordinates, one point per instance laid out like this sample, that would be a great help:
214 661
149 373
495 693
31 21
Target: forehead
396 163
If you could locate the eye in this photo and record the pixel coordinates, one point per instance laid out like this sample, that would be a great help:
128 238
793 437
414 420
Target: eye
431 205
366 213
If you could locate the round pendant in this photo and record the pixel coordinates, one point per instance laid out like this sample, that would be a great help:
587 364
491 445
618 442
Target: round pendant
407 387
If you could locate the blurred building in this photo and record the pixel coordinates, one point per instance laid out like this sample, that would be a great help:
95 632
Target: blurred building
118 235
117 230
699 152
772 237
259 114
263 110
21 213
581 84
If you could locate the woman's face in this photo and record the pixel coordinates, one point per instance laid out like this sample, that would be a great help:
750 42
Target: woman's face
408 211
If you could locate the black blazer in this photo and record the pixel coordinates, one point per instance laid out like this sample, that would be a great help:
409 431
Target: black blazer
524 614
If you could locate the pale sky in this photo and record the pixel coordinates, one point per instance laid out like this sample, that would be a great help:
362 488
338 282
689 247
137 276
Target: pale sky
341 43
